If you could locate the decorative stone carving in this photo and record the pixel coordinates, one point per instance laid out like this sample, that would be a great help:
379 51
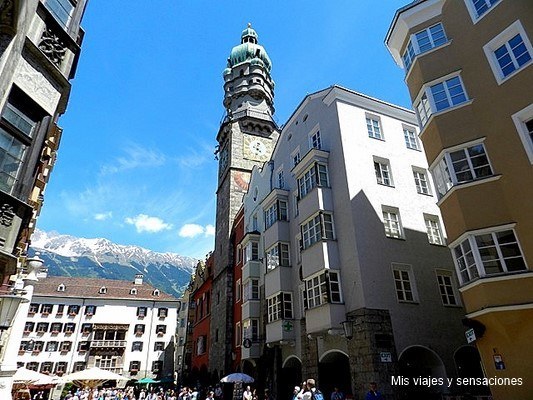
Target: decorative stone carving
53 47
6 215
7 15
37 86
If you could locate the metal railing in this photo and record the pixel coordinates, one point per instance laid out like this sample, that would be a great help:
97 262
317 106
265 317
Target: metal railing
108 343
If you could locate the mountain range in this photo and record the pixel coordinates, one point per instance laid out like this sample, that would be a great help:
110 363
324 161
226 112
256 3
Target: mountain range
66 255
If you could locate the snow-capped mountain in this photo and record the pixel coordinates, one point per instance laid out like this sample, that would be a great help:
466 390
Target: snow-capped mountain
66 255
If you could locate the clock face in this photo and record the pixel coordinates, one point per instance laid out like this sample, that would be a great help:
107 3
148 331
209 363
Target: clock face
257 148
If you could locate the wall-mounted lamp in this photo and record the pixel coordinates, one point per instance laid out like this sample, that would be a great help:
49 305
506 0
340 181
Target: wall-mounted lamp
347 327
9 304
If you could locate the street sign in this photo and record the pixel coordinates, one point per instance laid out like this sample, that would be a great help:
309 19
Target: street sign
470 335
385 357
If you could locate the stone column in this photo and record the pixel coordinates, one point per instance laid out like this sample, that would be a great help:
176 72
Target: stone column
309 354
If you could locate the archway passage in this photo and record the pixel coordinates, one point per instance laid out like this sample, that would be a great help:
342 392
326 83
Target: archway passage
248 368
468 364
421 362
334 371
291 376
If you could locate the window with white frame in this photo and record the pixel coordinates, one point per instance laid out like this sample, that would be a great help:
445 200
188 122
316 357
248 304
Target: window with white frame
423 41
238 334
509 52
276 212
446 288
295 156
383 171
315 141
251 329
488 253
391 222
404 283
440 96
523 121
322 289
316 175
411 138
251 290
319 227
251 251
281 179
460 166
279 307
238 290
373 126
421 181
433 229
478 8
277 255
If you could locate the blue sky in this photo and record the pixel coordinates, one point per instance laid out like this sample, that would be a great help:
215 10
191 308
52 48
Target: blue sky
136 161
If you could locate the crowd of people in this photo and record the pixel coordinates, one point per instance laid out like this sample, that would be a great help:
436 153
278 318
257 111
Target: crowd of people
128 393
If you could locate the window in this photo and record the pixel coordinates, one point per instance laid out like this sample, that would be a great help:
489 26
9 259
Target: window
139 329
42 327
103 290
73 310
489 253
162 312
79 366
47 309
523 121
24 346
319 227
238 334
159 346
383 174
56 327
157 366
47 367
446 288
133 291
251 251
32 366
61 368
60 309
70 327
315 176
86 328
61 288
251 329
34 308
238 290
83 346
461 166
392 223
276 212
61 10
137 346
281 179
90 310
277 255
201 344
373 126
478 8
66 346
38 346
411 138
440 96
135 366
280 307
251 290
11 155
315 141
509 52
52 346
403 283
423 41
20 121
421 181
161 330
141 312
295 158
322 289
105 361
28 327
433 229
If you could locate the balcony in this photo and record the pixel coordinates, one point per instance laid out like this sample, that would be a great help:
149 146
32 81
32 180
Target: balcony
280 330
324 317
319 198
108 343
319 256
277 232
251 309
251 269
279 278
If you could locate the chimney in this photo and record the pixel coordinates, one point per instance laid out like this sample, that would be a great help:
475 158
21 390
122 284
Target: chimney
139 279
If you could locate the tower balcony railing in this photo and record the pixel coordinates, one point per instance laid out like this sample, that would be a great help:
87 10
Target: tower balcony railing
250 113
108 343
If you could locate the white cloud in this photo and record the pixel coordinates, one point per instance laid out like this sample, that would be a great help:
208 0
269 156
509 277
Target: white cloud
136 156
145 223
103 216
194 230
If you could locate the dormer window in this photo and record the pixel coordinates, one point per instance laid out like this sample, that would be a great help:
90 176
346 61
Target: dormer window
61 288
133 291
156 292
103 290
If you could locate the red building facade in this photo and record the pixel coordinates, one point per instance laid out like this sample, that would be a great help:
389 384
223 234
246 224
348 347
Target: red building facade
236 236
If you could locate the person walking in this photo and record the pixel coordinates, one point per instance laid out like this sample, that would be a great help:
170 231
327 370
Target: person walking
373 393
337 394
295 393
247 394
312 392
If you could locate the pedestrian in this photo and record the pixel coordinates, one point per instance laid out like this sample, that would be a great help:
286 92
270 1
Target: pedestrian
303 389
337 394
295 393
373 393
312 392
210 396
247 394
254 395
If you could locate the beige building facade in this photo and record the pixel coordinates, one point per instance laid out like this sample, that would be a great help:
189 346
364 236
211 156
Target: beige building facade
469 72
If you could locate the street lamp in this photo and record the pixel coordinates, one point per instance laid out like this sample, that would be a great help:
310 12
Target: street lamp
347 327
9 304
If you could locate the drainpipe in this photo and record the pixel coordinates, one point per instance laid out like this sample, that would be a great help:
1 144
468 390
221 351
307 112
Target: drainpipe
271 165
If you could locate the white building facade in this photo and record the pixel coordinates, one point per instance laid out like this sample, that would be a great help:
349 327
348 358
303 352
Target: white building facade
77 323
342 226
